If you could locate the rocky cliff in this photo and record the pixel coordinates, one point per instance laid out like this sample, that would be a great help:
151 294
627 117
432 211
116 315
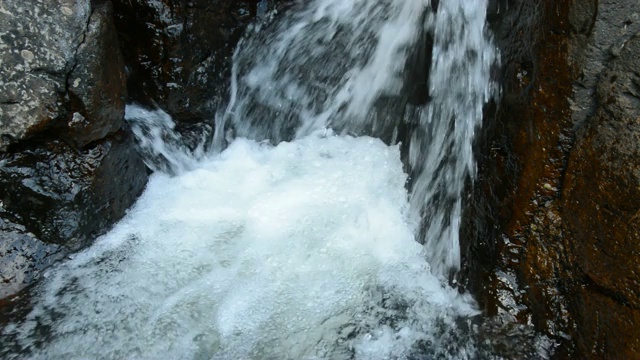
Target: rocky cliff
552 226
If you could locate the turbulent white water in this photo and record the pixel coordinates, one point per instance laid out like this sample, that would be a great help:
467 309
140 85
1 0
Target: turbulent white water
300 243
289 252
341 64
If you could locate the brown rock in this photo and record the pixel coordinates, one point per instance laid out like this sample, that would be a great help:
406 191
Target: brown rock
563 212
516 229
606 329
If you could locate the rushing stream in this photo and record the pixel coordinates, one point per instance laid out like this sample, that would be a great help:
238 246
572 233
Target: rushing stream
293 232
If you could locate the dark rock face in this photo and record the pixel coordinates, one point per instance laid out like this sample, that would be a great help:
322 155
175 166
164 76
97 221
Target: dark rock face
22 257
179 52
558 184
601 210
68 168
97 83
66 196
63 198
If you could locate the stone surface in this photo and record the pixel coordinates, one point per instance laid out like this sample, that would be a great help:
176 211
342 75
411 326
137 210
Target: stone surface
23 257
559 177
61 71
601 210
97 83
179 52
38 43
67 170
511 216
69 196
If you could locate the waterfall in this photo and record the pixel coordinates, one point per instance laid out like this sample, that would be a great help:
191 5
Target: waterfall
294 231
335 64
441 151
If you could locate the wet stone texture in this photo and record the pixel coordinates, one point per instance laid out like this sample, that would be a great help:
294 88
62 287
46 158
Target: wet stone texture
559 177
68 165
59 199
66 196
178 53
22 257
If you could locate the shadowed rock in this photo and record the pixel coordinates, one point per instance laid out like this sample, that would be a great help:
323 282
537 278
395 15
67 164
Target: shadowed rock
22 257
69 196
179 53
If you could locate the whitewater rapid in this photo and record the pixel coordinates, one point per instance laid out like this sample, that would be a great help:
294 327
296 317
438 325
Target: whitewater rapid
295 251
293 232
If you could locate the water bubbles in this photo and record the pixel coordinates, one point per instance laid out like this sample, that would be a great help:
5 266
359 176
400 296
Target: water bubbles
304 250
224 261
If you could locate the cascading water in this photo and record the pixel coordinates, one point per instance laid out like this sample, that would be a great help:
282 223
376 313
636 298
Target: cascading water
301 246
332 63
441 151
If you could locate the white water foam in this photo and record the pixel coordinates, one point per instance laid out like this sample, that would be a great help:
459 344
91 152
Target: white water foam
342 64
441 148
304 250
299 251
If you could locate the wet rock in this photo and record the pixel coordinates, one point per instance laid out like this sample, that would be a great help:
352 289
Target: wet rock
602 211
97 83
38 44
67 169
179 53
609 329
69 196
554 207
513 256
23 257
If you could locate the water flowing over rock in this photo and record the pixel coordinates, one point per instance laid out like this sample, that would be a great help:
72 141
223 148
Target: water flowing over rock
298 242
549 232
324 66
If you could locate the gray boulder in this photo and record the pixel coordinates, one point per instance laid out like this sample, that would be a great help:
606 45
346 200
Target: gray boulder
68 165
38 45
